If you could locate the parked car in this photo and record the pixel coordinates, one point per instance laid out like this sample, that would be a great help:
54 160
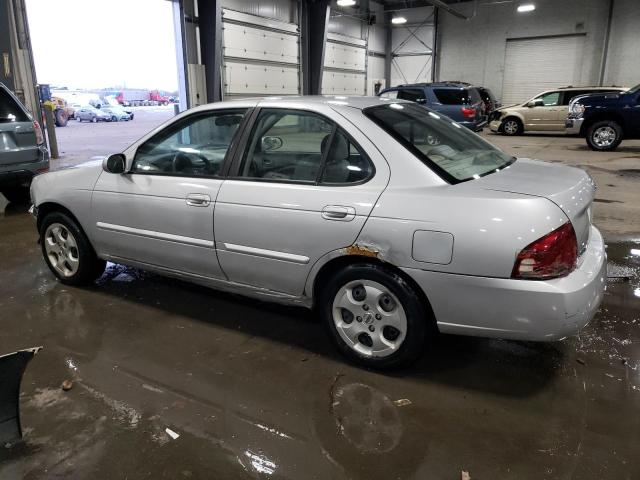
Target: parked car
605 119
546 112
346 205
117 113
88 113
23 153
459 101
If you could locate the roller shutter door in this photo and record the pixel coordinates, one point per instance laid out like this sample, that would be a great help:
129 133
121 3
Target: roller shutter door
533 65
345 66
261 56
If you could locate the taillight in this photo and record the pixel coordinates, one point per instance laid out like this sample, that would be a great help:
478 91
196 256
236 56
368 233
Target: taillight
554 255
38 130
468 112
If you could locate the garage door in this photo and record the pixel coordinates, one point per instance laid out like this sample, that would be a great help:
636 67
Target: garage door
533 65
345 65
260 56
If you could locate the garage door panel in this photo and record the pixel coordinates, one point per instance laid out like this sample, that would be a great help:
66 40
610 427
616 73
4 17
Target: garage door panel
536 64
254 43
260 79
346 57
343 83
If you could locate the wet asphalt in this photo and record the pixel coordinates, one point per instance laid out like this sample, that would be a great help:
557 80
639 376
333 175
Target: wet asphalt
171 380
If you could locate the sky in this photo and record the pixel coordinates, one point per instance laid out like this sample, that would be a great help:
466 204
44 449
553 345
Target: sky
97 43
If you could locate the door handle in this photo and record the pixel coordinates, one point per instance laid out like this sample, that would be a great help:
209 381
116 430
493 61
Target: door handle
339 213
198 200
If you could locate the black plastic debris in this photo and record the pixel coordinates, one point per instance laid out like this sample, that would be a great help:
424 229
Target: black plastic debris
12 367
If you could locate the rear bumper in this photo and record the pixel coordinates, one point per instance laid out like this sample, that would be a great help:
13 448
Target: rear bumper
519 309
573 125
19 175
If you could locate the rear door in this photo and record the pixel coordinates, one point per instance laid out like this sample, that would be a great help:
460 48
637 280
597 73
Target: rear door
301 188
160 213
17 135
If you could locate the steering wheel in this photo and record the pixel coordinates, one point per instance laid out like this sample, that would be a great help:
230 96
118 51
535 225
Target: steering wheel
182 160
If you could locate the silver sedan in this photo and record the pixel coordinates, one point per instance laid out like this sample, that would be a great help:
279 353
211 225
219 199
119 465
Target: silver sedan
391 220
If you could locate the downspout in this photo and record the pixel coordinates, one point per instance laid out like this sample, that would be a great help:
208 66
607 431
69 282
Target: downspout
605 46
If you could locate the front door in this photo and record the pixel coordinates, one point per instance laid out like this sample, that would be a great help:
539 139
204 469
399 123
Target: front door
301 188
160 213
546 117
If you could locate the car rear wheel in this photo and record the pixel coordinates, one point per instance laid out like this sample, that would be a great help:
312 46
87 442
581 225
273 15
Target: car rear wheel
604 136
67 251
94 119
512 126
374 316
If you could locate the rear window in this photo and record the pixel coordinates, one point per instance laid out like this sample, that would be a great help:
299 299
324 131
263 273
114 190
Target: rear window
10 111
456 96
452 151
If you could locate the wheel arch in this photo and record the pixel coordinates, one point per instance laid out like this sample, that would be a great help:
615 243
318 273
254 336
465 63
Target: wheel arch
337 262
599 117
46 208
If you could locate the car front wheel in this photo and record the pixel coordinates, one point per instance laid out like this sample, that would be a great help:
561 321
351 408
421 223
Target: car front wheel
374 316
512 126
604 136
67 251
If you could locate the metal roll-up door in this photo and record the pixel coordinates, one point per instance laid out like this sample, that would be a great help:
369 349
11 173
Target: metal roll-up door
345 65
533 65
261 56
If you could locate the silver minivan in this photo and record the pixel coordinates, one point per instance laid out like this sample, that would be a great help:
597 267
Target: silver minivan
23 152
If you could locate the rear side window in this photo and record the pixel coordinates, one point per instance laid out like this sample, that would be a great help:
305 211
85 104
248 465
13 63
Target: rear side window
10 111
412 94
456 96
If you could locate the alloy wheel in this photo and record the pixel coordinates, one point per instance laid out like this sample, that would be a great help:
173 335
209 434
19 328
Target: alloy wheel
369 318
604 136
61 249
510 127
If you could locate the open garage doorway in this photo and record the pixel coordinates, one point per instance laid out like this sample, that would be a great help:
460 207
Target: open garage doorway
110 66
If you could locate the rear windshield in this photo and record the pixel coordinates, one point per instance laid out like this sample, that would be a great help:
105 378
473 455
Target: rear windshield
10 111
451 150
456 96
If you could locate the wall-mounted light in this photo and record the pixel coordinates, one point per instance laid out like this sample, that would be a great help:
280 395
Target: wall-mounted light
346 3
398 20
526 7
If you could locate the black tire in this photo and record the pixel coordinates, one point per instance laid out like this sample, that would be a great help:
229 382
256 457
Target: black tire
61 118
518 128
78 118
94 119
596 140
418 320
90 267
114 119
16 194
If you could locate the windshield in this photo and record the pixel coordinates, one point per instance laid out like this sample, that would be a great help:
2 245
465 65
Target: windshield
453 151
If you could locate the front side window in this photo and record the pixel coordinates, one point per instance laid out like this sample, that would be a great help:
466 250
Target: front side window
195 146
298 146
550 99
452 151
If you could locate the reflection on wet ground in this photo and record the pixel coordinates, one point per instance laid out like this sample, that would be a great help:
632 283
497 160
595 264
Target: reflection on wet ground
171 380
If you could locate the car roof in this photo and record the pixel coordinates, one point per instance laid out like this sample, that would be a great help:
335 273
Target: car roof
331 100
591 87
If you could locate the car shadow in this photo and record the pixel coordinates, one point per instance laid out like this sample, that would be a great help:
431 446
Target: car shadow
507 368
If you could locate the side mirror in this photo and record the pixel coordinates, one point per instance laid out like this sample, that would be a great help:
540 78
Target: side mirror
271 143
115 163
535 103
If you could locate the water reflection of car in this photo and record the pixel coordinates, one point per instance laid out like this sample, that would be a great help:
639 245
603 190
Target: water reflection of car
87 113
117 113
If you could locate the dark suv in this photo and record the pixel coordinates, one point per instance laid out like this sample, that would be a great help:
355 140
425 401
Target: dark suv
459 101
604 119
23 153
